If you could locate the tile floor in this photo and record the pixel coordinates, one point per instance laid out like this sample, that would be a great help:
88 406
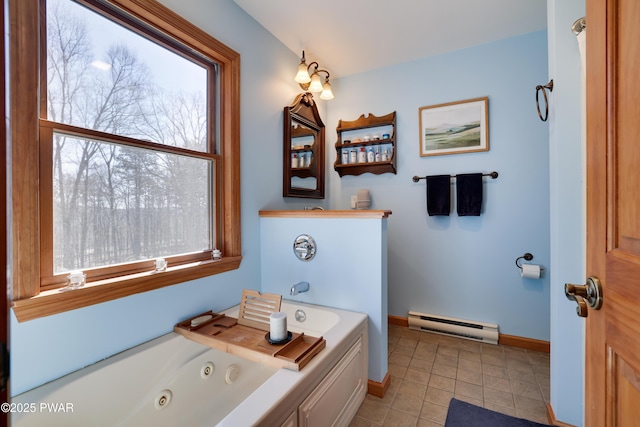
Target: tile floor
428 369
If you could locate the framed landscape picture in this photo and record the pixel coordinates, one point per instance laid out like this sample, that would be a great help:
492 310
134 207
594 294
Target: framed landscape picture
454 127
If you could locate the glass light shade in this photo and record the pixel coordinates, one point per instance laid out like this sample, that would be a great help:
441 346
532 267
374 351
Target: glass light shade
316 83
303 73
327 93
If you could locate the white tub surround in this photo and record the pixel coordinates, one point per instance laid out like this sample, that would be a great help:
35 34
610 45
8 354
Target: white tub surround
172 381
348 271
329 390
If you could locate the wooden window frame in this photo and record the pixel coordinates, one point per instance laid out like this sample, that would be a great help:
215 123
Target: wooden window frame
33 296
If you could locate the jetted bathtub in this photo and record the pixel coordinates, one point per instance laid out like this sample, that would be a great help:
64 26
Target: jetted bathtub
172 381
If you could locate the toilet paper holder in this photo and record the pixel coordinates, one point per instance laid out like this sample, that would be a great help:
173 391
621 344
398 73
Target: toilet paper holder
527 257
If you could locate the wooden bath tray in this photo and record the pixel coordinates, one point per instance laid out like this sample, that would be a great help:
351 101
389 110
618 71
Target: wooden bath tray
223 333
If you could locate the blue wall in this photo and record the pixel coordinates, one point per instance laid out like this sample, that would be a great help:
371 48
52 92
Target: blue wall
567 210
461 266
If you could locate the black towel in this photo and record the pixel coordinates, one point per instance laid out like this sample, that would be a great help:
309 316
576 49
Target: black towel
438 195
469 194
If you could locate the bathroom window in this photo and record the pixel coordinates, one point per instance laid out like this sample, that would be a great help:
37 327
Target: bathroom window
137 151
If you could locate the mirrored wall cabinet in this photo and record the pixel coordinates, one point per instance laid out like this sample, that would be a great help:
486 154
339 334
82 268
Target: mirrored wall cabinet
303 161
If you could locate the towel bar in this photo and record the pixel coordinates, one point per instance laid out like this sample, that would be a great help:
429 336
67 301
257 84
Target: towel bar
493 175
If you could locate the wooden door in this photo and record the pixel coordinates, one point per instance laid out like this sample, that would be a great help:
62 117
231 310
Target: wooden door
4 304
612 394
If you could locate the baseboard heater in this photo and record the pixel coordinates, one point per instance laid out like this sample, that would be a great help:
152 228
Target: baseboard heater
477 331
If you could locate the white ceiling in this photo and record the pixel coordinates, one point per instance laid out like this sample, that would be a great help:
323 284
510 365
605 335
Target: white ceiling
352 36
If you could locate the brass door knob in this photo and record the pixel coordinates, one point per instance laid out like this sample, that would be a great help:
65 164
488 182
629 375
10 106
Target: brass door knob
589 293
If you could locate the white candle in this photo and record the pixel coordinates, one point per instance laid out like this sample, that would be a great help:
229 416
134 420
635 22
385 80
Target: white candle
278 326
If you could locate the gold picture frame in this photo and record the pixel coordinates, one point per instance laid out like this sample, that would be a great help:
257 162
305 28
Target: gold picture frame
454 127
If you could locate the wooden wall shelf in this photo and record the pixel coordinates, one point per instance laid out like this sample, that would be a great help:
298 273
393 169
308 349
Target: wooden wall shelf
366 132
355 214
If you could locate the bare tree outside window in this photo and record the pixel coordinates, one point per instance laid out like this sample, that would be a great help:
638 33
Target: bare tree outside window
113 202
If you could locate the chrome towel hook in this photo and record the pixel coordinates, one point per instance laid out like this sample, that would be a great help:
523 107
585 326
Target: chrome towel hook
546 100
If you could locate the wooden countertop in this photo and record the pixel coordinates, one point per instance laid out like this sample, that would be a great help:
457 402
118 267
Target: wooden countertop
362 214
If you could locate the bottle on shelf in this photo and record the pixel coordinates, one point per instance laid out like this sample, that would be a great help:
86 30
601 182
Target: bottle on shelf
370 156
353 156
362 156
294 161
377 155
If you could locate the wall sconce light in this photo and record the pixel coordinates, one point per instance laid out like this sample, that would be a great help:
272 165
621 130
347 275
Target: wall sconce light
312 81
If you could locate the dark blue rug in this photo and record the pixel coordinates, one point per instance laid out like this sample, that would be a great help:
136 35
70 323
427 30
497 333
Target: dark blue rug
463 414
